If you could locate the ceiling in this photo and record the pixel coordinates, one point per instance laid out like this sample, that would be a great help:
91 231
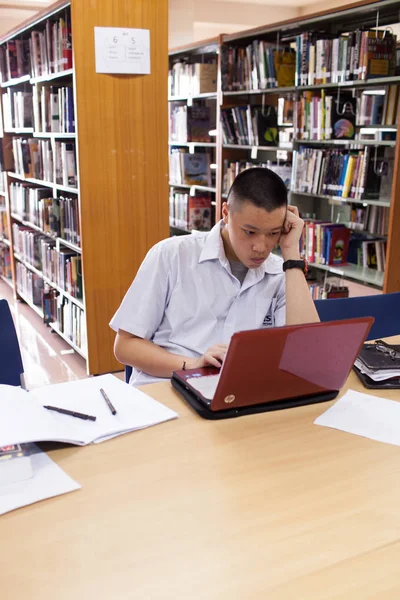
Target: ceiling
14 12
275 3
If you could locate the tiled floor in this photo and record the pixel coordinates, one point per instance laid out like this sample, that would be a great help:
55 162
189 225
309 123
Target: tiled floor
46 357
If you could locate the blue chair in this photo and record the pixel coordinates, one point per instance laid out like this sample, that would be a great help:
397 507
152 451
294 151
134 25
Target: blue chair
11 367
385 308
128 373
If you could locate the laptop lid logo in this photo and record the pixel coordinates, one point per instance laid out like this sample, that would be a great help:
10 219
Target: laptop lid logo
229 399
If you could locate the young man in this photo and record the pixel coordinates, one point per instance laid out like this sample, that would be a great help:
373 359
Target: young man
193 292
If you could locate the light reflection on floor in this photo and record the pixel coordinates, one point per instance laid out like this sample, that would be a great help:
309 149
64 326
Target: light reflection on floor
46 357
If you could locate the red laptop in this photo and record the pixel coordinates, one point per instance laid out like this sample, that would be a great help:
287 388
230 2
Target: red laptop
281 367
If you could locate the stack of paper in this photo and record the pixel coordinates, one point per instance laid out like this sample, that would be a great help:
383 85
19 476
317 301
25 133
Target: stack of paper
377 375
23 418
379 361
47 480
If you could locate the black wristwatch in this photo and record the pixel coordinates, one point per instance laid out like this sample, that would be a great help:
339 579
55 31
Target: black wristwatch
296 264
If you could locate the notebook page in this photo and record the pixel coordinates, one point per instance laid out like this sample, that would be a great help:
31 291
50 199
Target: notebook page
23 419
135 409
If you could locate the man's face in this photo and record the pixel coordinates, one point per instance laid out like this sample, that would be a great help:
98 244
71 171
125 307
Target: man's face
250 233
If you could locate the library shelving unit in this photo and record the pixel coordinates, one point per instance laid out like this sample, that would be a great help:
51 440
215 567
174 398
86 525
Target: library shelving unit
193 148
83 159
241 85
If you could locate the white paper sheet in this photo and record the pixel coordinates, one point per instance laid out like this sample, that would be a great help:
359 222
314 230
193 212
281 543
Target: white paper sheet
362 414
122 50
23 418
48 480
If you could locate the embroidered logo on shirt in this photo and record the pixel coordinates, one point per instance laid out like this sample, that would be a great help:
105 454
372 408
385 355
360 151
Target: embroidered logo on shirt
267 321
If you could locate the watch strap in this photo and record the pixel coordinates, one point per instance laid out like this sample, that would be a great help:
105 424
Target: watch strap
296 264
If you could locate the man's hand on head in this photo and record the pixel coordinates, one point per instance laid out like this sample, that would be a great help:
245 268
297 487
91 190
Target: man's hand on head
291 233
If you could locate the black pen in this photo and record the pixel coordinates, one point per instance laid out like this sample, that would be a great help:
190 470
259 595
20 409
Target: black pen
71 413
109 403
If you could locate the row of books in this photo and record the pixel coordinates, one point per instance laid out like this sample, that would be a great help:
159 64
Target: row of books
56 217
27 244
334 244
258 66
189 169
232 168
371 218
250 125
53 109
58 310
318 116
5 262
191 79
51 49
66 316
368 252
323 291
34 158
189 123
316 291
45 108
44 52
342 173
189 212
324 243
3 223
378 109
317 59
63 267
359 55
321 117
29 284
17 109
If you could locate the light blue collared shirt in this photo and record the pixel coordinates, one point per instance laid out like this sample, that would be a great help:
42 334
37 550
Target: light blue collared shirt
185 299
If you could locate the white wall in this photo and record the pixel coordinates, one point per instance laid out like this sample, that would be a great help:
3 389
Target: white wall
180 22
321 6
192 20
11 18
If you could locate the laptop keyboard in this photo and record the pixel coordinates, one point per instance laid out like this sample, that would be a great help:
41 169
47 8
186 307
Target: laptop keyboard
206 385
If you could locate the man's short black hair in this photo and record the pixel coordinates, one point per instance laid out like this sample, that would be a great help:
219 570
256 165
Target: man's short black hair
260 186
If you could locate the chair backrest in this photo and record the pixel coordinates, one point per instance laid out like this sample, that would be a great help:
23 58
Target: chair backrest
128 373
11 367
385 308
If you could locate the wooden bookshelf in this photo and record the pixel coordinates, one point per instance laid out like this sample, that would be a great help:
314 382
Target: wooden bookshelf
121 138
334 22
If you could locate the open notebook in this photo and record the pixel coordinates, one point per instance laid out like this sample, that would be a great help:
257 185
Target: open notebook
23 418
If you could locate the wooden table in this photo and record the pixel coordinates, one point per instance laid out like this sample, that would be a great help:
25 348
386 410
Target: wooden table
263 507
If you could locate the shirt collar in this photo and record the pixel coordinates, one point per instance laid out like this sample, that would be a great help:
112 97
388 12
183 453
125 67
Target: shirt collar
213 249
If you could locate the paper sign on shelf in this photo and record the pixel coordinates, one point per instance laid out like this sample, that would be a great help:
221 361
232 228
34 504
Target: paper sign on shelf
122 51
